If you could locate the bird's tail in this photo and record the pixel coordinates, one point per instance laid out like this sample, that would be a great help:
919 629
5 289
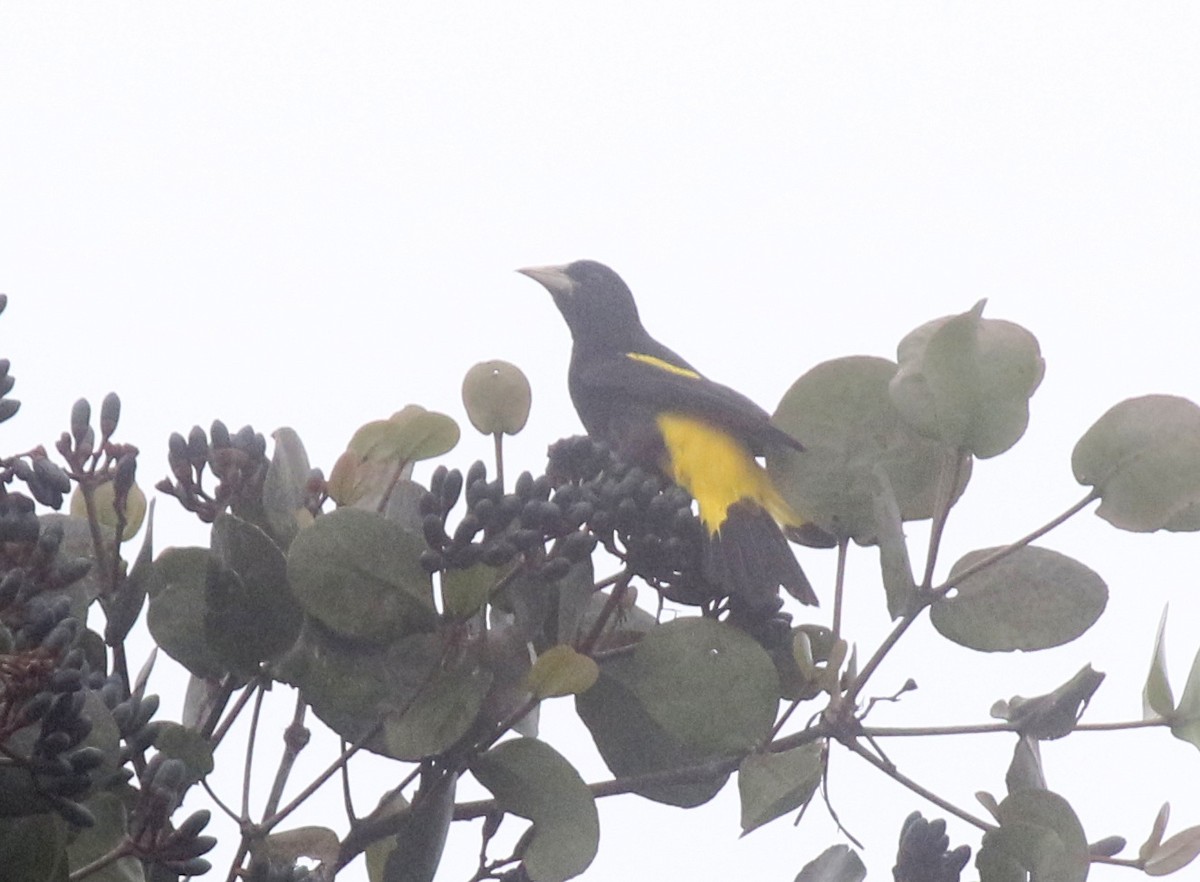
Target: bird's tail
750 557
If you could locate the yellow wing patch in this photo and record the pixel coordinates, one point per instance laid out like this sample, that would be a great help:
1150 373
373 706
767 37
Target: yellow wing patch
663 365
718 470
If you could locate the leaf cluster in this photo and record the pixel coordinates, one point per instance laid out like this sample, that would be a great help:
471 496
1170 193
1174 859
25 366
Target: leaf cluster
426 623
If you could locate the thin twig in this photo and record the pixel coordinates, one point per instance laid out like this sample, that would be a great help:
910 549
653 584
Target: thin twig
610 606
839 585
124 848
932 594
293 743
895 774
251 737
216 733
1001 553
989 728
948 478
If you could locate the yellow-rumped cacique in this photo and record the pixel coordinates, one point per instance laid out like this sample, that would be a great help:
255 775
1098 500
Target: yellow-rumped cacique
657 411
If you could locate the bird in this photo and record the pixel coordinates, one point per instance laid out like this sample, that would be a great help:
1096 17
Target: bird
656 410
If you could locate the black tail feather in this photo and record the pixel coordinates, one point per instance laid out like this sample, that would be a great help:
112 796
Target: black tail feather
750 557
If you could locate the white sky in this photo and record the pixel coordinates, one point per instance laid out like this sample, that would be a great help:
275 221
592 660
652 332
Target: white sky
308 214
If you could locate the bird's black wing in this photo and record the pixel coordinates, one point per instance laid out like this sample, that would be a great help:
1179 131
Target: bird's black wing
660 380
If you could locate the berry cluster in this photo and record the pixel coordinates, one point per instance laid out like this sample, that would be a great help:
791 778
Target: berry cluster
499 526
639 516
44 680
587 497
925 854
45 479
176 851
238 462
30 561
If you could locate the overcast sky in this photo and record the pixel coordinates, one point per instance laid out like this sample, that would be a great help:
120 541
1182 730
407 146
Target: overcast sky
309 214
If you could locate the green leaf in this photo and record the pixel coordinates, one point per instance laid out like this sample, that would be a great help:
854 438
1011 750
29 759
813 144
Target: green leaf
176 615
576 592
1157 698
560 670
1185 721
252 615
898 583
852 431
404 506
1055 714
422 836
1174 854
1025 770
1143 459
104 498
287 847
90 843
421 699
1032 599
34 848
379 852
966 381
496 395
123 606
77 544
179 742
580 607
835 864
383 450
693 690
285 487
361 576
1154 840
532 780
774 784
464 592
506 656
1039 834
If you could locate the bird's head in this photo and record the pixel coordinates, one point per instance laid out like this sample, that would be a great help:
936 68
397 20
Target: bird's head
594 300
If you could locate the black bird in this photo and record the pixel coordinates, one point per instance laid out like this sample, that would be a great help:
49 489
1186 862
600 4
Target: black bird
656 410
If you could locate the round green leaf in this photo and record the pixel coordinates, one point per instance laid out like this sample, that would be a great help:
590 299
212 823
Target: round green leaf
252 615
104 498
465 591
560 670
852 431
967 380
424 702
1032 599
693 689
34 848
1040 835
361 576
532 780
177 610
384 450
496 395
1143 458
287 847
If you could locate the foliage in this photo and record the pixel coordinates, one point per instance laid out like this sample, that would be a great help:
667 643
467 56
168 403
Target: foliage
426 624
